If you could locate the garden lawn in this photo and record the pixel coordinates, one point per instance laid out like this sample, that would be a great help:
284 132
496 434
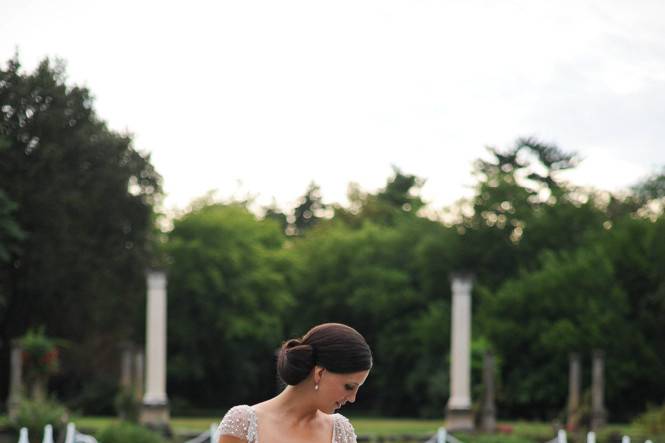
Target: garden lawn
521 431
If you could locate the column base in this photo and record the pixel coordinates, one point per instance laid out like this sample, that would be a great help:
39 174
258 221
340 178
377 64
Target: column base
488 420
156 417
13 405
598 420
459 419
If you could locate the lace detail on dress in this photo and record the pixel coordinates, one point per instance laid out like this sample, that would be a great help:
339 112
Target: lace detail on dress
343 430
240 422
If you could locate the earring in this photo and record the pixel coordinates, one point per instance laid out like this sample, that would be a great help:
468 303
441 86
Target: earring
316 387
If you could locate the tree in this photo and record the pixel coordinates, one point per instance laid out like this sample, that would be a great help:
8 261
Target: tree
571 303
398 200
10 232
308 212
84 198
371 277
273 212
228 293
522 208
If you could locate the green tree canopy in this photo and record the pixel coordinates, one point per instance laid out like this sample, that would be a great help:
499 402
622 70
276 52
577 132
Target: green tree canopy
398 200
228 292
84 198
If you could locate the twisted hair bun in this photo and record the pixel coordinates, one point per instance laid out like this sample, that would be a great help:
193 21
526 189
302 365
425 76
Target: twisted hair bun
295 361
336 347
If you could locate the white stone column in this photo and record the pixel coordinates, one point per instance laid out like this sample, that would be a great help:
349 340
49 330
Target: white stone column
458 414
155 412
16 379
598 411
574 388
139 374
488 419
126 351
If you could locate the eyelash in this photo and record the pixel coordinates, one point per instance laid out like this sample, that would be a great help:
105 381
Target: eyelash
349 387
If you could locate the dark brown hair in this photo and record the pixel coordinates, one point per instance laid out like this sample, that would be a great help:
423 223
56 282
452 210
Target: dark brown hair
336 347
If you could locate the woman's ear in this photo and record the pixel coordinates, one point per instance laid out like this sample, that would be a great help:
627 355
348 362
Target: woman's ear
318 373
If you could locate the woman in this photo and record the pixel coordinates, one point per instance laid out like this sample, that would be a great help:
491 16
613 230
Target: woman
323 370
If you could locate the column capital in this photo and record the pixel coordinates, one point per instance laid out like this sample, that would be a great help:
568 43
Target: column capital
461 282
156 278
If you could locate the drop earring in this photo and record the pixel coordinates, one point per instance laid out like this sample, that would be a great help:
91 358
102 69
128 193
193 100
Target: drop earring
316 387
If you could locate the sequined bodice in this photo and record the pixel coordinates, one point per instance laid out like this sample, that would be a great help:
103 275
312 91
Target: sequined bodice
241 422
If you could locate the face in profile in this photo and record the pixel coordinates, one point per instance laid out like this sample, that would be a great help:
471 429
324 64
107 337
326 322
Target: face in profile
335 390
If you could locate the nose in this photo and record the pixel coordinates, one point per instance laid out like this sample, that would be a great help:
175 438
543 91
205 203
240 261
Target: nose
351 398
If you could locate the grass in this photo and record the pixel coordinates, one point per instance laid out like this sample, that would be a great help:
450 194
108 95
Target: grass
395 426
522 431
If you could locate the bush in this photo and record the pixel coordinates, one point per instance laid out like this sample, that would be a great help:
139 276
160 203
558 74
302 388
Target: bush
95 395
126 432
126 405
35 414
652 421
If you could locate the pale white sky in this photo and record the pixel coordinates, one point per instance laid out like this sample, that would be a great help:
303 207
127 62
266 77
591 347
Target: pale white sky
275 94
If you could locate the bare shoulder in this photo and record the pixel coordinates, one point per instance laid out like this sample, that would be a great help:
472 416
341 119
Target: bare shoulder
231 439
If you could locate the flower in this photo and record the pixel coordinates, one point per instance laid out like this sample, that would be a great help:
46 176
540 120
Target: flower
41 357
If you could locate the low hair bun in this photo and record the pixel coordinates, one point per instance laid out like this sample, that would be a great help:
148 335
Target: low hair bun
292 343
295 361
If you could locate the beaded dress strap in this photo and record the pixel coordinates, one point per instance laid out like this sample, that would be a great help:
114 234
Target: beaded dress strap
240 421
343 431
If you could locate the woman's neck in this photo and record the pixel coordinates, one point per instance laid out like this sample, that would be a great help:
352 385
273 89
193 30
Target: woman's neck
295 403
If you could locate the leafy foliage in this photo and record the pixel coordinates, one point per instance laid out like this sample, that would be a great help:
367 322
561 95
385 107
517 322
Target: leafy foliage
10 232
309 210
572 303
228 290
40 354
557 269
83 197
652 421
124 432
35 414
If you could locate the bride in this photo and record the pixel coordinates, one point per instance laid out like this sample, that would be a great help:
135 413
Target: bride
323 370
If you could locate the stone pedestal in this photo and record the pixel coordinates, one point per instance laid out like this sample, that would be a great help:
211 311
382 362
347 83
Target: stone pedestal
138 373
459 415
155 408
157 418
127 351
598 411
16 379
488 419
574 387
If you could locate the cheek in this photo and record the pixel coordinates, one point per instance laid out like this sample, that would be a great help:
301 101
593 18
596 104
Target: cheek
337 392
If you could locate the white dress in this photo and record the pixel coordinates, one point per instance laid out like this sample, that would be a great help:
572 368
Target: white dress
241 422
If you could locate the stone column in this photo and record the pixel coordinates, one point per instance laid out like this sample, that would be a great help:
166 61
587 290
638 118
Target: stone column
155 408
16 379
458 412
598 412
138 374
488 422
126 366
574 386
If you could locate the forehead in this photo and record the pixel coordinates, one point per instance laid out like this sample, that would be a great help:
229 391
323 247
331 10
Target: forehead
354 377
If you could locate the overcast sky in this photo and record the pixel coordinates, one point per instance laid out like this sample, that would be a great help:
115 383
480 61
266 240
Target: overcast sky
264 97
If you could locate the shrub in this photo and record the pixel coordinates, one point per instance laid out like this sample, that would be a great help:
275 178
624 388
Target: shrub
125 432
652 421
35 414
126 405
